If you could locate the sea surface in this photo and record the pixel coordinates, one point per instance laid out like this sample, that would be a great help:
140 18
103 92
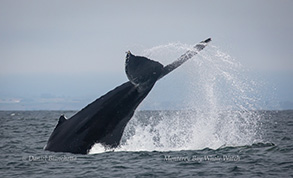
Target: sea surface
23 135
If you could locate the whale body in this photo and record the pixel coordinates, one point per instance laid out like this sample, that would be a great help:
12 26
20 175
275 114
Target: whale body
104 120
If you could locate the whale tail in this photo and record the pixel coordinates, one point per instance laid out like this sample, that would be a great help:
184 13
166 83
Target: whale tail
142 71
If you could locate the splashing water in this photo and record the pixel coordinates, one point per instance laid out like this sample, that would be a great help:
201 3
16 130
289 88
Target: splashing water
219 107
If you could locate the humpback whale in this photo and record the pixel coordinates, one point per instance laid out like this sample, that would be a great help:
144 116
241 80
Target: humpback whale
103 121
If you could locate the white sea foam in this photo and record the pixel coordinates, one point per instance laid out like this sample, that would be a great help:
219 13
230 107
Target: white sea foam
220 101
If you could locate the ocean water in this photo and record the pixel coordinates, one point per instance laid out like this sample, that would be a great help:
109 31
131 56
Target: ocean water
153 151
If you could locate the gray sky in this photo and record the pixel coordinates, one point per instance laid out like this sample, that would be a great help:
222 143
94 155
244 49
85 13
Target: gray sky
77 48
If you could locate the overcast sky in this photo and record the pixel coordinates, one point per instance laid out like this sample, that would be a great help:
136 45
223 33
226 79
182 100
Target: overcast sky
77 48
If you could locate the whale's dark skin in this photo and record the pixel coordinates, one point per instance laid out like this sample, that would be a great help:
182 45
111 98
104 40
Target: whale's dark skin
103 121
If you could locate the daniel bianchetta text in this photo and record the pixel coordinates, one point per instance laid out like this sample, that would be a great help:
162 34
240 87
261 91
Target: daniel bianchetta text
202 158
49 158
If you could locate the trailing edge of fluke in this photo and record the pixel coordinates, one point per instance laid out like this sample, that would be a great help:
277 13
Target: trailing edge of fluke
103 121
